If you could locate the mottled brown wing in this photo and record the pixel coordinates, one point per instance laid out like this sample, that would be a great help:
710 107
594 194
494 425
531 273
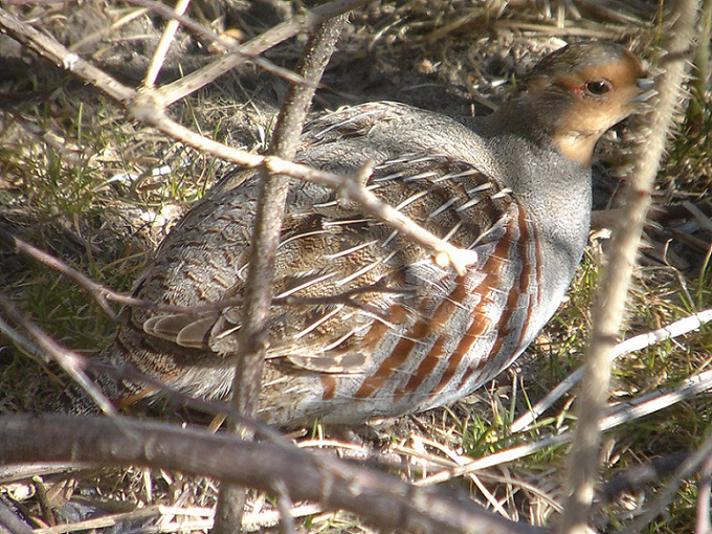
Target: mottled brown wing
339 274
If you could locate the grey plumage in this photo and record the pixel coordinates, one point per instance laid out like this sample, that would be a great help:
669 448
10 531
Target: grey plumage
515 187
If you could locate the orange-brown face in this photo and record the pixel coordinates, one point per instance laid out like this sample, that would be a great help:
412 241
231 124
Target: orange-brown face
599 94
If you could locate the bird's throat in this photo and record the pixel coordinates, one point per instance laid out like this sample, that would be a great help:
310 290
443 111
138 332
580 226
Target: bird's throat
576 146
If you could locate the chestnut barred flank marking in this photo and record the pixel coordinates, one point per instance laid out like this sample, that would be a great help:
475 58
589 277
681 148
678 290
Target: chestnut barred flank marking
365 323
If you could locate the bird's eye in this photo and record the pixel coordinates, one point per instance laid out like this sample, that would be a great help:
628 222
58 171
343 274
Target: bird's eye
597 87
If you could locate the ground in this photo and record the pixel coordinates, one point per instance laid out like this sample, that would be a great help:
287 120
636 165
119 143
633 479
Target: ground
79 180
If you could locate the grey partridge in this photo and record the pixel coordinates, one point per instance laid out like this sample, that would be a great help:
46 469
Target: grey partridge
374 326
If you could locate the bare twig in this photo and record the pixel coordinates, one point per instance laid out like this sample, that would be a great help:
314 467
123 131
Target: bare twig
9 522
610 303
384 500
247 52
107 30
272 196
678 328
104 295
148 107
159 55
616 415
127 372
97 291
66 359
242 54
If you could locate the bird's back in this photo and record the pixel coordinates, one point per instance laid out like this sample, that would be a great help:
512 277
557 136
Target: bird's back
365 324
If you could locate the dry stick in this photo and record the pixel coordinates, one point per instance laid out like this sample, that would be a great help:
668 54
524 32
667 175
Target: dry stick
272 196
96 290
159 55
350 188
245 53
66 359
609 308
147 107
678 328
384 500
238 55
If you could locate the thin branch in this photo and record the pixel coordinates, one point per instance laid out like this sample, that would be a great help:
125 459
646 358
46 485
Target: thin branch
200 78
350 188
131 374
610 303
242 53
66 359
148 107
246 52
383 500
663 498
97 291
615 416
271 201
202 519
104 295
680 327
107 30
164 44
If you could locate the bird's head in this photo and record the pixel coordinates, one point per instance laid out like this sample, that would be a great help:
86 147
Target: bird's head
582 90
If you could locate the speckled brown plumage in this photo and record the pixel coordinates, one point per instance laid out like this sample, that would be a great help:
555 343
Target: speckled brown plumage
376 328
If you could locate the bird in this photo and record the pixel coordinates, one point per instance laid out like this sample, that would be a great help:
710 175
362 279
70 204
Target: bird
365 323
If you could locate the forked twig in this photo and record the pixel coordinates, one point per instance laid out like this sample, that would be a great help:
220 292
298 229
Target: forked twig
247 53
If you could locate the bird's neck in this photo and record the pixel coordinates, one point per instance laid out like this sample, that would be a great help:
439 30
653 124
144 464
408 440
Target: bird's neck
540 122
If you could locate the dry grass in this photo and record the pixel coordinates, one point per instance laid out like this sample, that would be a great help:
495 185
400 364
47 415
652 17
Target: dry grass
79 180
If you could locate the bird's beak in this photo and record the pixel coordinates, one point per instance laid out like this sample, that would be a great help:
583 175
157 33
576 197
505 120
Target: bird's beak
647 87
